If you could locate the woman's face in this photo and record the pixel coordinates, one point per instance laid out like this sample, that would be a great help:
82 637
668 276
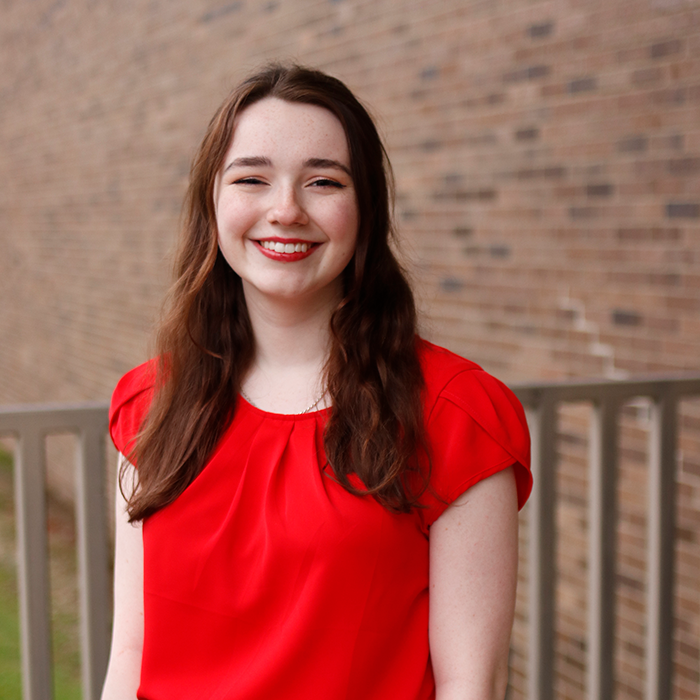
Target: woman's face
286 209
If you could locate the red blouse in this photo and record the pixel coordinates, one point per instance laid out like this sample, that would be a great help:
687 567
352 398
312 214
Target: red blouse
266 580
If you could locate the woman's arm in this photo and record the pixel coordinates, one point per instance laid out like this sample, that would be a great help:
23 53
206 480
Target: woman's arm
473 574
124 668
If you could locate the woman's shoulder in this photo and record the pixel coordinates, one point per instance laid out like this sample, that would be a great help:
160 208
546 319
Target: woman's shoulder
470 412
441 365
130 402
448 375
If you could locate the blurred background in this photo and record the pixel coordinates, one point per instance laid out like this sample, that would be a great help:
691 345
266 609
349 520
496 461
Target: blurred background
547 163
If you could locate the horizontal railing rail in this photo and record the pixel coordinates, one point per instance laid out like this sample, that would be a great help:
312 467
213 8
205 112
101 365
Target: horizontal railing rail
31 424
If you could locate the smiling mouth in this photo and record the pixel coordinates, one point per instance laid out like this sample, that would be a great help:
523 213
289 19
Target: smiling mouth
287 251
279 247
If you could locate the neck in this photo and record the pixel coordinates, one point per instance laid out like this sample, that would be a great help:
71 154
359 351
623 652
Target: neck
292 341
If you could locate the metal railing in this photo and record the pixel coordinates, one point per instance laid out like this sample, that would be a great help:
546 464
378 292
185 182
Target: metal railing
30 425
541 402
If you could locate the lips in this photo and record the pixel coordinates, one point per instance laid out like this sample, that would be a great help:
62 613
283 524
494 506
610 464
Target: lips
286 249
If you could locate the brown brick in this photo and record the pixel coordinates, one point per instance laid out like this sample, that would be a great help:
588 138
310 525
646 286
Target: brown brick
573 140
647 76
684 166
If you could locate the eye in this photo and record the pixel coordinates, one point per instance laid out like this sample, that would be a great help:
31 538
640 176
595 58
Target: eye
326 182
248 181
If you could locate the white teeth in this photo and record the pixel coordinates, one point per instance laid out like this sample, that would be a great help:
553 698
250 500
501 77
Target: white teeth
279 247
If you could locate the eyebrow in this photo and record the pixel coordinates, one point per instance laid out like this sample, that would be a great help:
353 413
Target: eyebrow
327 163
262 161
249 161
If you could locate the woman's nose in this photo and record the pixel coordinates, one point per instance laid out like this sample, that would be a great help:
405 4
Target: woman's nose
286 208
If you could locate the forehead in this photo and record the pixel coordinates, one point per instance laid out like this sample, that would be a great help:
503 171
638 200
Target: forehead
273 126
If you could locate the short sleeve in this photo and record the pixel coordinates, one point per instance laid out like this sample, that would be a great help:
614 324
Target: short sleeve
476 427
130 403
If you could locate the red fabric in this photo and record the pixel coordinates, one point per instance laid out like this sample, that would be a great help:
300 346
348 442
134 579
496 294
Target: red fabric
267 580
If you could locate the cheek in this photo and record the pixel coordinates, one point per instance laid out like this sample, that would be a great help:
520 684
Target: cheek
231 217
347 222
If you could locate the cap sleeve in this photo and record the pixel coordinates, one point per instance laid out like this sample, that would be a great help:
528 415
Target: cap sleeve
476 428
130 402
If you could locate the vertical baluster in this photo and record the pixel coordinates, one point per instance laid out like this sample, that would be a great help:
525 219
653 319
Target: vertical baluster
32 563
602 549
92 556
662 497
541 522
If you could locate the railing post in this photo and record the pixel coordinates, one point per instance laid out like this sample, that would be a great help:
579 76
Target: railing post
93 566
602 522
662 508
32 564
541 557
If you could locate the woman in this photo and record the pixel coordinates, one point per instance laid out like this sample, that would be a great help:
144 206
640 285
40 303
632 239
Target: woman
325 506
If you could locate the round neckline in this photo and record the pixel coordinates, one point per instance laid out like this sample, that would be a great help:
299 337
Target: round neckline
281 416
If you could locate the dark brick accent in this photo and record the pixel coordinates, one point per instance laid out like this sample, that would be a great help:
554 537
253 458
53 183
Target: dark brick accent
431 145
648 234
482 195
430 73
583 212
582 84
219 12
665 48
665 279
534 72
529 134
621 317
605 190
683 210
529 73
462 231
635 143
553 172
451 284
539 31
499 251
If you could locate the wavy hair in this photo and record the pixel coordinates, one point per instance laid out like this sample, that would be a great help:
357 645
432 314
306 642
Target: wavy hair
205 340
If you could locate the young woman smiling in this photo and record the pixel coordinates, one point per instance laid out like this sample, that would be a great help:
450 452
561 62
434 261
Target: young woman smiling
321 504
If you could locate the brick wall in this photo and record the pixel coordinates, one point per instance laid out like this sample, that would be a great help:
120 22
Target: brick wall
547 158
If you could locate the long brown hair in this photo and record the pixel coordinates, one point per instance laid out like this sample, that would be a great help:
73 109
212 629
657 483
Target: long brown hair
205 341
